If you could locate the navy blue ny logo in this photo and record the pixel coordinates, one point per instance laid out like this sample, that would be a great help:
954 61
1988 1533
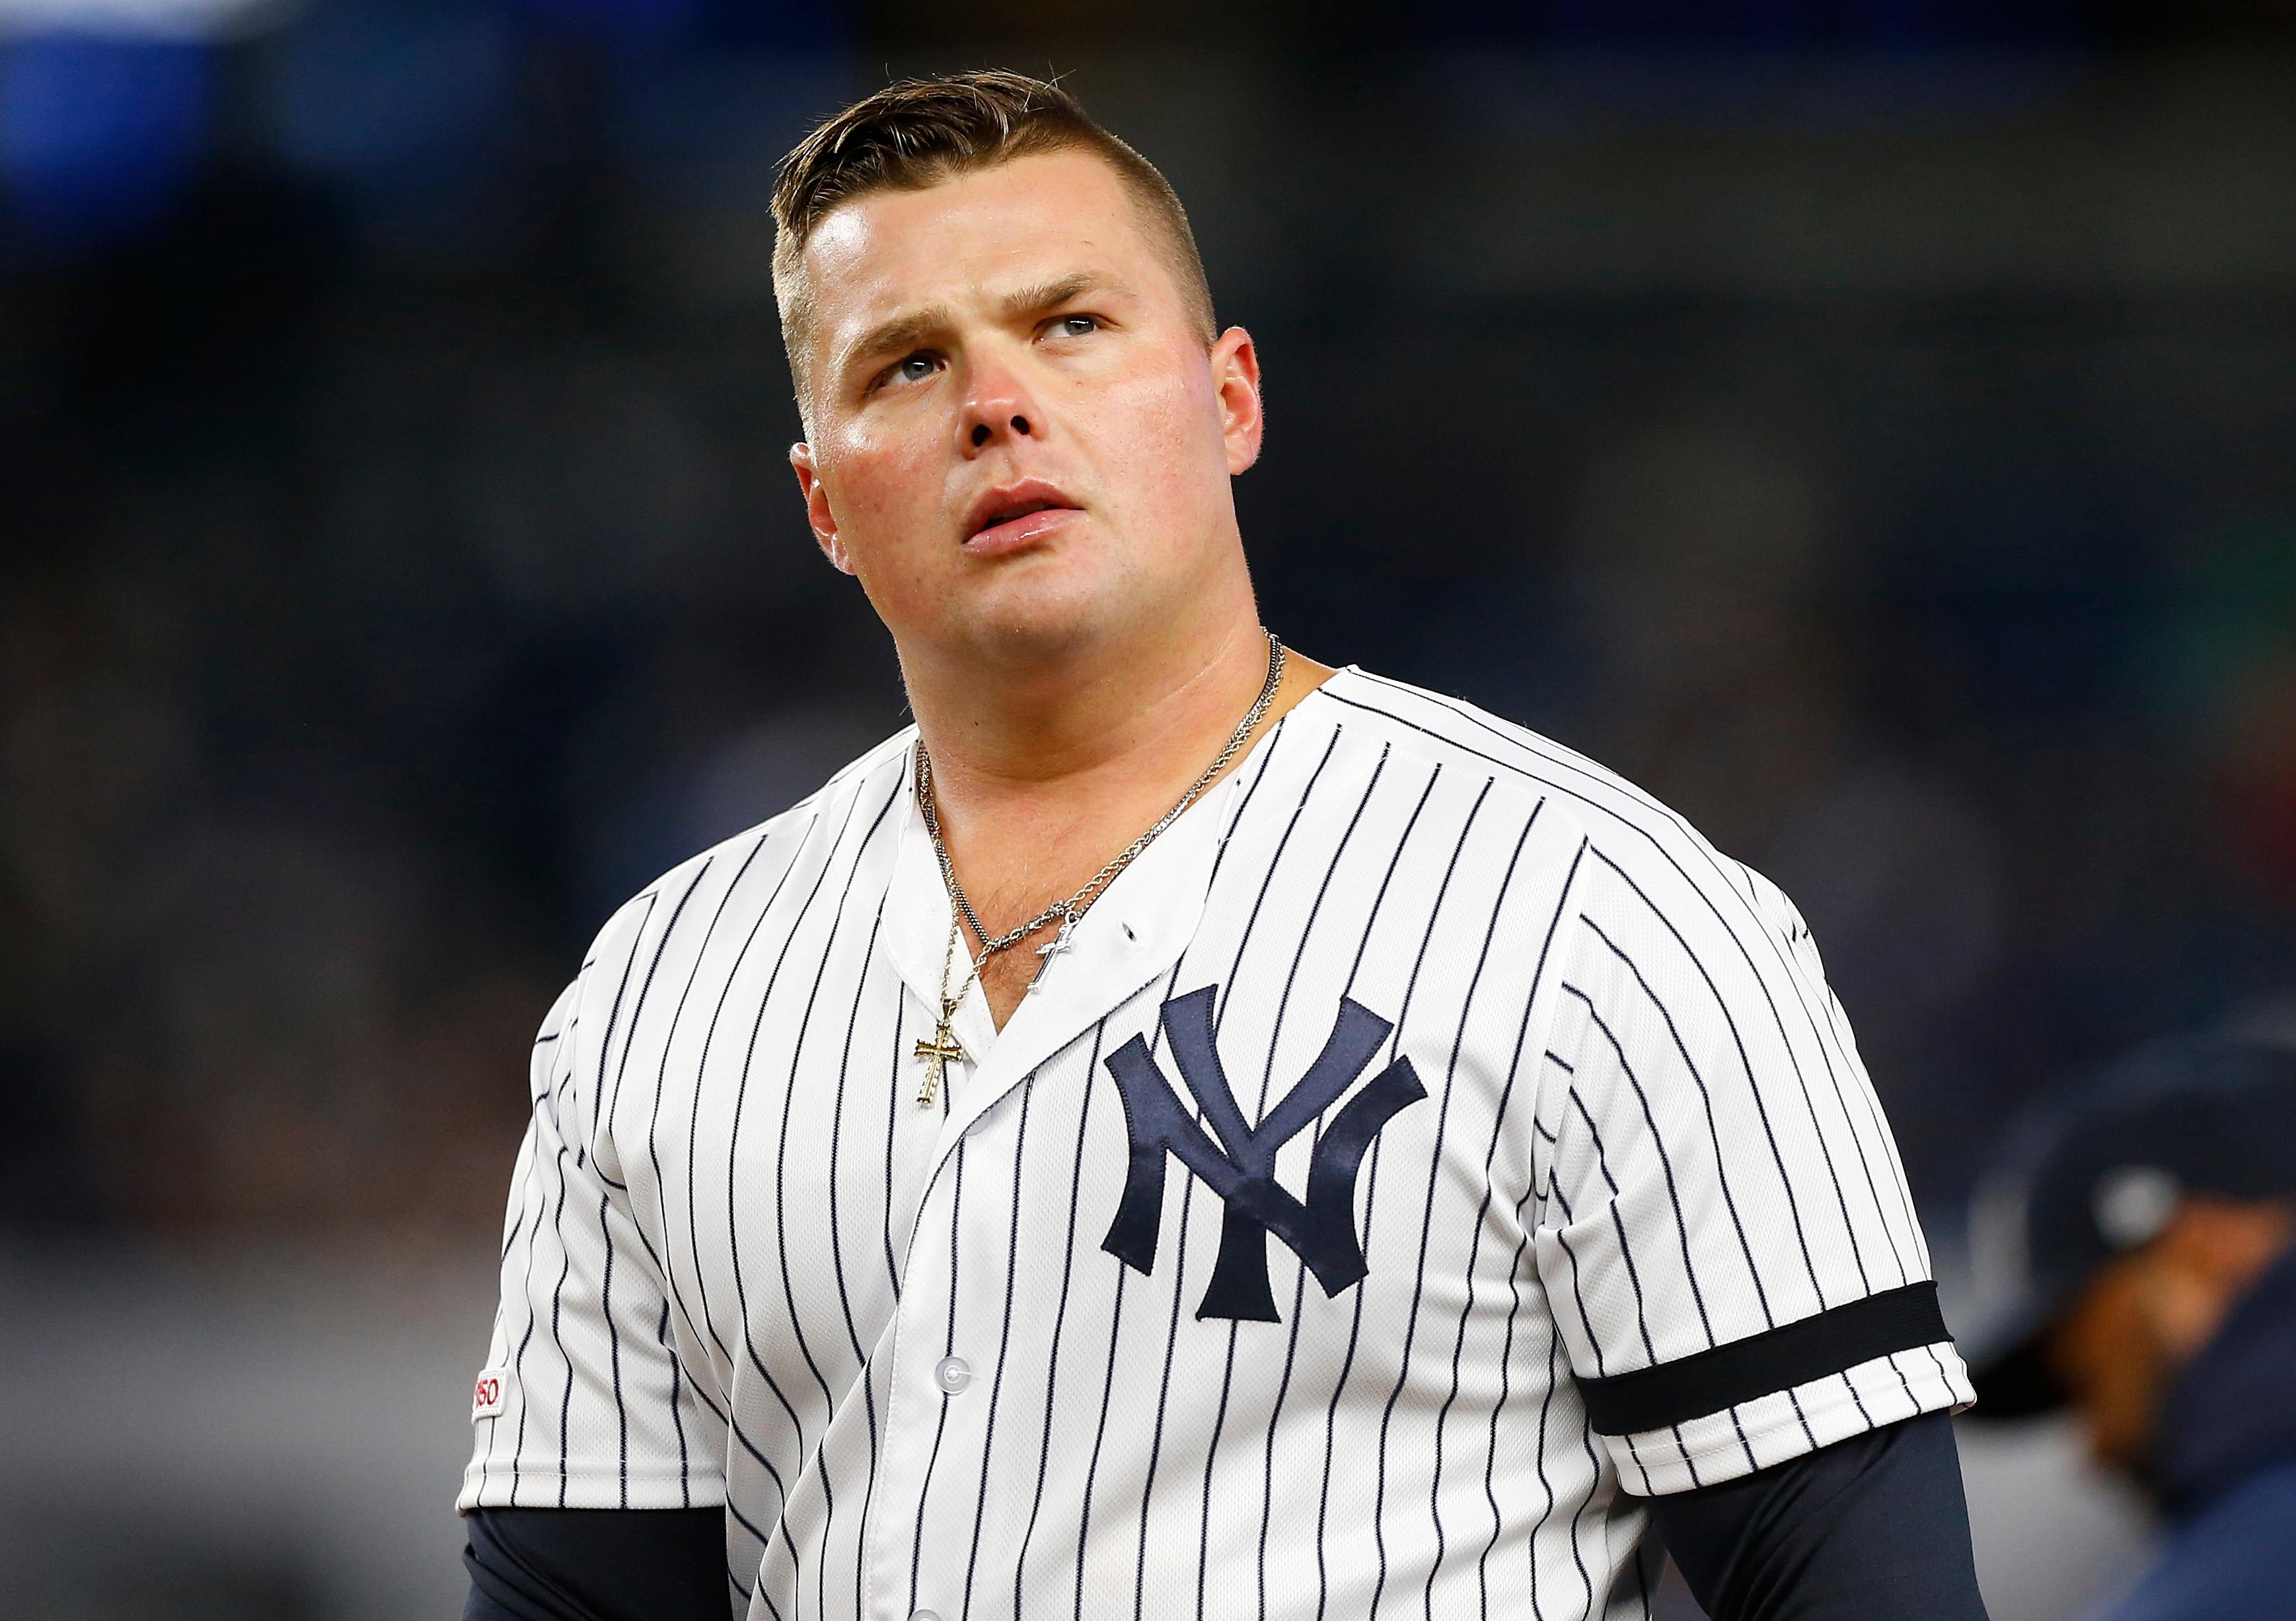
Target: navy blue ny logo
1322 1231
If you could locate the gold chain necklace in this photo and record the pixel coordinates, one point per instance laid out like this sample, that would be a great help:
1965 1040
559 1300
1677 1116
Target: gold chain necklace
944 1048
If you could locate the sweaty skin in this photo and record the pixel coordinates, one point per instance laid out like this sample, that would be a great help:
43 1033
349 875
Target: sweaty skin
1023 450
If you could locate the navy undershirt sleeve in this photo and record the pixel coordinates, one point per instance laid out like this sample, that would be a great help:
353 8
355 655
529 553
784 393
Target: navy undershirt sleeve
597 1565
1874 1527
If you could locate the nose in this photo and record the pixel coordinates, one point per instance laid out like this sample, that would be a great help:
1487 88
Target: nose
982 432
997 410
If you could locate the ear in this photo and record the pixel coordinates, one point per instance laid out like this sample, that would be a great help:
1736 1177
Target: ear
1235 377
817 512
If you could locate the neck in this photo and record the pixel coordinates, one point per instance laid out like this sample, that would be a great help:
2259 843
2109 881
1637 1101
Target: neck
1038 781
1102 711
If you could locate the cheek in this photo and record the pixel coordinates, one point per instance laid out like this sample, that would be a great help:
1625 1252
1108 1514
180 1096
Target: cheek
877 485
1165 436
872 475
884 492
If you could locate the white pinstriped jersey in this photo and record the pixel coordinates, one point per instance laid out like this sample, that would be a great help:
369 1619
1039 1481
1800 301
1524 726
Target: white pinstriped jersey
1427 1149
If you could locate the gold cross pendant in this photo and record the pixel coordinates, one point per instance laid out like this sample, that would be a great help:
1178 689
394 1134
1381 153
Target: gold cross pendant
938 1054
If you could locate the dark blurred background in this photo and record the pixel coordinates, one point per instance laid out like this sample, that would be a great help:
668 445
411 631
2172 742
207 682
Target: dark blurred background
1867 425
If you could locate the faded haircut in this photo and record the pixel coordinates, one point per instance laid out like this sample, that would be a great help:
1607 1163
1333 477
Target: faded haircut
917 133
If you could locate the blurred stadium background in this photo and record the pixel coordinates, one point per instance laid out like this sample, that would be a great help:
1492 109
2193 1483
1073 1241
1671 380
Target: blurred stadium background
1867 424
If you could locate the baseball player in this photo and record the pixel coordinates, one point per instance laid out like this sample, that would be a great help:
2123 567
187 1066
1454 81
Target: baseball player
1181 1130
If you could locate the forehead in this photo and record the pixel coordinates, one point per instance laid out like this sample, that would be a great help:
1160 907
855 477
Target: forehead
971 238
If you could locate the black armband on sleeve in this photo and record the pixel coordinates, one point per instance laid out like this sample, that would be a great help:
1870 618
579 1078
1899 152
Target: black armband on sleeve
1874 1527
1744 1369
597 1565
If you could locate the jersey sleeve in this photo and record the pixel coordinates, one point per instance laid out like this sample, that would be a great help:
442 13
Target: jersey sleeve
1723 1226
584 1402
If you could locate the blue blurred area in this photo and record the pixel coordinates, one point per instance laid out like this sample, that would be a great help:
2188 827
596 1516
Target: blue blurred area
404 117
100 138
378 96
1769 25
621 22
418 114
426 122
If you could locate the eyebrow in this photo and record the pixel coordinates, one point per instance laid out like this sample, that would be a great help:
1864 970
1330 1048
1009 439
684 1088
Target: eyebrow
901 333
905 331
1059 291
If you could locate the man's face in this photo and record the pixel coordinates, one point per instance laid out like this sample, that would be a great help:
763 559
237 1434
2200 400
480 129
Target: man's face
1018 439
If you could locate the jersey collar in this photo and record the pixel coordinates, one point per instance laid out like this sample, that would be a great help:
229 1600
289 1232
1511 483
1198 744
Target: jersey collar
1133 934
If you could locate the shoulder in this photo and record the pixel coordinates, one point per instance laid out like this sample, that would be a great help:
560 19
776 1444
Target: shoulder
1629 829
873 781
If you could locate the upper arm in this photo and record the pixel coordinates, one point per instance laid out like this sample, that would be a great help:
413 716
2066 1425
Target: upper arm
1738 1272
585 1401
1873 1527
597 1565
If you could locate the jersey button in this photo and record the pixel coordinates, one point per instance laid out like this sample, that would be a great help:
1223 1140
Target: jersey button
925 1614
952 1374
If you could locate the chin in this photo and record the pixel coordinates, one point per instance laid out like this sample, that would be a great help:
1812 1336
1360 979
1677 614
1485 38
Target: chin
1030 619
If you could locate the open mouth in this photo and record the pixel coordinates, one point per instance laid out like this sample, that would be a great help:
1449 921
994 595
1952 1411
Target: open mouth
1017 511
1014 516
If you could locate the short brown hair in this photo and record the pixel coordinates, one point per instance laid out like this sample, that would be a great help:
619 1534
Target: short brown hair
918 132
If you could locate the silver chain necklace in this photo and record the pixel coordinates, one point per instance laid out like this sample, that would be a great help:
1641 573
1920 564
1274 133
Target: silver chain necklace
1066 913
943 1049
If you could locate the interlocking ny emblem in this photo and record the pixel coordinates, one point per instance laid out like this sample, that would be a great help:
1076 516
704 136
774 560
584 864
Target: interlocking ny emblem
1321 1231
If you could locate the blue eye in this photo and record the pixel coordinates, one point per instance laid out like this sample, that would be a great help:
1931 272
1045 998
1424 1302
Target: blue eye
1078 326
915 368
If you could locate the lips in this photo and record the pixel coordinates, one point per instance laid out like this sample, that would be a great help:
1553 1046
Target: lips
1007 514
1014 514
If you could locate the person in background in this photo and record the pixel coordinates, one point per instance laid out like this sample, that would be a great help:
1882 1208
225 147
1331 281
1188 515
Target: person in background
2134 1258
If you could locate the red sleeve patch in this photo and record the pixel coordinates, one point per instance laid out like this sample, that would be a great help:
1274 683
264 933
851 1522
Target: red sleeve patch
487 1395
